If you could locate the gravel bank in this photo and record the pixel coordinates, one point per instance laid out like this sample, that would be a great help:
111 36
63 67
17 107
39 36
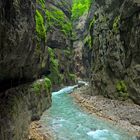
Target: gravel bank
124 114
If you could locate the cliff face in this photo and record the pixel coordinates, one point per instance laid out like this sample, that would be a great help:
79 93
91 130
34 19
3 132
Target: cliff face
20 106
35 41
23 58
59 42
64 5
115 33
19 57
81 47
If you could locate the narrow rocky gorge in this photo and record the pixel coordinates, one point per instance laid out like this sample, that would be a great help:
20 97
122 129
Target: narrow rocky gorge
49 44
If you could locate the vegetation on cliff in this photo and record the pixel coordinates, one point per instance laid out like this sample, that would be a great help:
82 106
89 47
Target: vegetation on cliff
122 90
57 19
40 27
79 8
54 75
42 84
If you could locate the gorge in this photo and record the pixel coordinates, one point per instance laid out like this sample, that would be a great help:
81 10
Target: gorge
46 45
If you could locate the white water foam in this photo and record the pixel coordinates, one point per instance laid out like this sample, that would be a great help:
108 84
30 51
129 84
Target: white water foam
68 90
101 135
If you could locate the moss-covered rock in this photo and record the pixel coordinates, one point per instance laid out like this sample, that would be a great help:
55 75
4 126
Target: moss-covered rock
40 27
40 85
57 19
21 105
116 24
54 75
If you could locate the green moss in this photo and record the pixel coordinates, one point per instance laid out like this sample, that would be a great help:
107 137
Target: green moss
55 75
40 27
116 24
122 90
40 85
74 35
88 41
92 23
48 83
37 87
57 19
51 53
121 86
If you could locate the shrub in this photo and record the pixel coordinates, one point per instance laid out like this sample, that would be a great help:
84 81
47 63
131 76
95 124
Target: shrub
122 90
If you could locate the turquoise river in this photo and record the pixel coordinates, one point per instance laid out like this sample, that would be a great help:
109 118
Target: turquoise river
67 121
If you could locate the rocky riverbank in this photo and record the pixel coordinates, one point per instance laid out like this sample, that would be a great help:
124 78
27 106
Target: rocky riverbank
123 114
36 133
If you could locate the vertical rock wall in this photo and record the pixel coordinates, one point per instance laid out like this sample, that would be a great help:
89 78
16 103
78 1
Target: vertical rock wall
115 49
30 46
23 58
20 58
59 41
21 105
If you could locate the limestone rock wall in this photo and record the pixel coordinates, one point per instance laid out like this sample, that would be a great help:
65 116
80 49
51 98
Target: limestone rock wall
30 48
23 58
79 60
21 105
59 40
115 59
20 59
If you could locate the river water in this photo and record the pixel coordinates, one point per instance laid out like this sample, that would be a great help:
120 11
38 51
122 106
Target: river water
68 121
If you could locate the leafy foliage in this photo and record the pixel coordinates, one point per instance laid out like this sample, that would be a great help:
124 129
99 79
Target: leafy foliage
79 8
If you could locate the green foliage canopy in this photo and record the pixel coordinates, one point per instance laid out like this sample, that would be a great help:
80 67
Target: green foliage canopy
79 8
